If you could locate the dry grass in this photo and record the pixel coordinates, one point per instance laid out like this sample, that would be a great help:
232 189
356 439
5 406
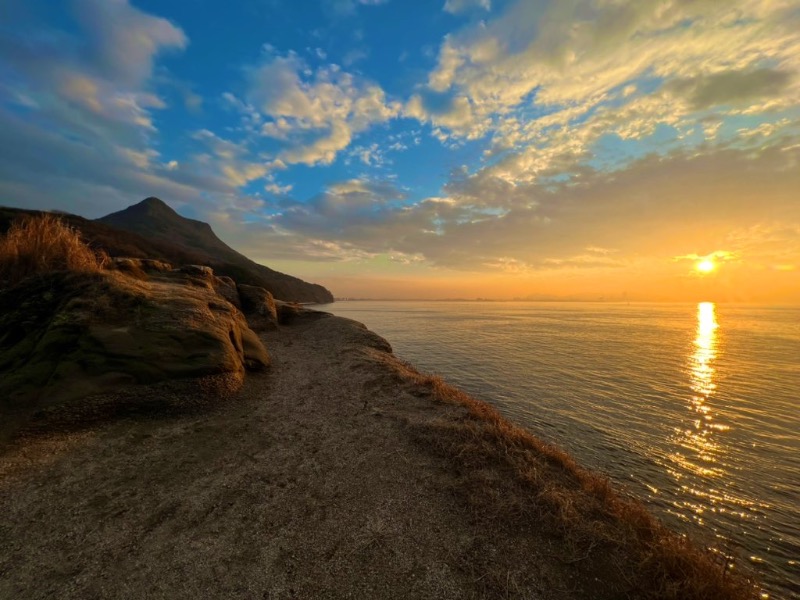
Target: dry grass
43 244
540 484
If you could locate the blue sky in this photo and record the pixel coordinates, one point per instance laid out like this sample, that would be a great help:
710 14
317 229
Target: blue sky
580 148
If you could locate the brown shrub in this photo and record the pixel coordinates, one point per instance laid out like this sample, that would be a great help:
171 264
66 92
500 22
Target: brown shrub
43 244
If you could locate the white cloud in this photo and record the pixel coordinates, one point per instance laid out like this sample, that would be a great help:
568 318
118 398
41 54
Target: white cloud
277 189
459 6
90 136
547 80
89 129
456 115
124 40
371 155
232 160
141 159
353 56
348 7
318 112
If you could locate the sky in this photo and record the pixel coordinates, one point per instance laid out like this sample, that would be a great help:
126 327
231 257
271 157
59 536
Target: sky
569 149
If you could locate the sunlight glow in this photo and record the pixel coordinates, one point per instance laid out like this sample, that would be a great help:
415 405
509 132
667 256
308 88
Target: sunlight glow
705 266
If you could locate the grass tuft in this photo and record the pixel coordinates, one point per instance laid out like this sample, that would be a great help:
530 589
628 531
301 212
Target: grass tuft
43 244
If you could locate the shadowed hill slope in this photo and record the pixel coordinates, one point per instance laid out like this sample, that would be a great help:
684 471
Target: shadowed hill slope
151 229
154 219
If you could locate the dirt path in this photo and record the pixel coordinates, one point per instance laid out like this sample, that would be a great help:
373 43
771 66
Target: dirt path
307 483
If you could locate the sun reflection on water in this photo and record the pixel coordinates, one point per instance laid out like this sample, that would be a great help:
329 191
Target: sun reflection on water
699 462
705 344
699 450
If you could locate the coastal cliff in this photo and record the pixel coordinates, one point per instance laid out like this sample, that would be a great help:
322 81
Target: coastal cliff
340 472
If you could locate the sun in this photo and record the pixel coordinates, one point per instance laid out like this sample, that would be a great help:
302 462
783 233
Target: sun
705 266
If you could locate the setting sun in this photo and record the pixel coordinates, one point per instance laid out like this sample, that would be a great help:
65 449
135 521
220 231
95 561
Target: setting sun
705 266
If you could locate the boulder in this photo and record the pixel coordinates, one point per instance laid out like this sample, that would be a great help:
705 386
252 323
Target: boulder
259 306
197 271
139 267
152 265
289 312
67 335
226 287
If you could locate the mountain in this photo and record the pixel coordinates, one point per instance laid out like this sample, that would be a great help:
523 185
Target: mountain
151 229
155 220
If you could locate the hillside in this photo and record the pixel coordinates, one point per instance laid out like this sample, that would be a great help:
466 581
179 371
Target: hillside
154 219
151 229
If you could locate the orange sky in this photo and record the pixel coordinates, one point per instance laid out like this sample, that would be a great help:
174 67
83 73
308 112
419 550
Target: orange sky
638 236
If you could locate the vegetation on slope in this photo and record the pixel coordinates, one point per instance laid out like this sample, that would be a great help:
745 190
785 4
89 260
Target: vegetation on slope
42 244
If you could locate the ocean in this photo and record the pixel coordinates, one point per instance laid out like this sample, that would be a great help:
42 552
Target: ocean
693 408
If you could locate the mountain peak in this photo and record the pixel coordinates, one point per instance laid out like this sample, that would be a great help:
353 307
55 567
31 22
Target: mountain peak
153 201
150 213
152 206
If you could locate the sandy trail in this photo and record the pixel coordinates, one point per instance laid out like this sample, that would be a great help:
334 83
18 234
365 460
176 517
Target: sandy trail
309 482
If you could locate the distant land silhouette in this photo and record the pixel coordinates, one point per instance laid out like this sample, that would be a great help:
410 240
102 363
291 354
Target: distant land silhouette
151 229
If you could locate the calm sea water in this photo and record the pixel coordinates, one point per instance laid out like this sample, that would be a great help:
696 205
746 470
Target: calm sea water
693 408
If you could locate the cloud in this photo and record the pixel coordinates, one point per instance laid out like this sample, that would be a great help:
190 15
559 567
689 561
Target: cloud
732 87
720 255
86 140
99 84
459 6
453 113
348 7
353 56
318 112
40 166
277 189
607 222
232 161
548 80
123 40
372 155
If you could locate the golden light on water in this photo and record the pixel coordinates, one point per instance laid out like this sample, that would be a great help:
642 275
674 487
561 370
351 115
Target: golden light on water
700 456
697 439
705 352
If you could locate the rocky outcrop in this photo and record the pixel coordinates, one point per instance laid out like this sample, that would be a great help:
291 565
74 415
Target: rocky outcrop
66 335
226 287
259 306
139 265
290 312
